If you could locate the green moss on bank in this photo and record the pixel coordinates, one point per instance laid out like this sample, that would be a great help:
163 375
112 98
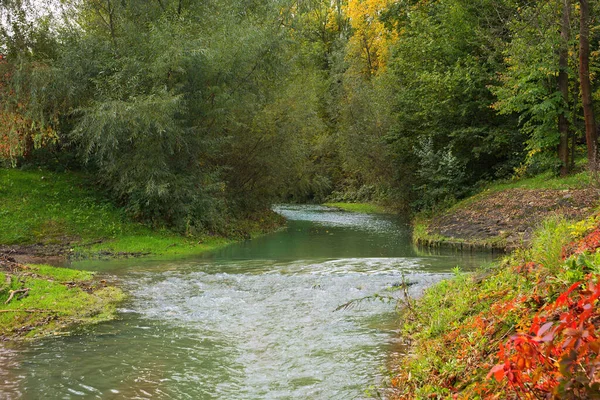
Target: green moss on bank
359 207
167 245
57 299
62 212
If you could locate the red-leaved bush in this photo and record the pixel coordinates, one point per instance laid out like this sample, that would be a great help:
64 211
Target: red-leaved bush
559 357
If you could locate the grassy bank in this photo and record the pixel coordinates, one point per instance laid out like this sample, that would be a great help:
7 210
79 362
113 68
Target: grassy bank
524 328
38 300
501 215
60 212
369 208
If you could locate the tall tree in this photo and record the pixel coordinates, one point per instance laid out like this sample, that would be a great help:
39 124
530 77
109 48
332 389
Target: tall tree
536 84
591 136
563 85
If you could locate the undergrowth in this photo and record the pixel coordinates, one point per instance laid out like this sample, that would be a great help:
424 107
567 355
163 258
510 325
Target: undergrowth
522 329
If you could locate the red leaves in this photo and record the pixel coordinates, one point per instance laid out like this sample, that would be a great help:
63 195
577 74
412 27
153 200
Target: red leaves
497 372
544 334
560 355
588 244
556 350
527 267
564 297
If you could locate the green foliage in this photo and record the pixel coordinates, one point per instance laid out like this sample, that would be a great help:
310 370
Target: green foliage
192 114
62 209
179 116
359 207
441 174
548 242
444 61
529 86
155 170
53 292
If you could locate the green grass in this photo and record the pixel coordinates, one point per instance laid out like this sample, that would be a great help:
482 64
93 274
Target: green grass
548 242
46 207
57 208
545 181
359 207
154 244
51 306
60 274
421 234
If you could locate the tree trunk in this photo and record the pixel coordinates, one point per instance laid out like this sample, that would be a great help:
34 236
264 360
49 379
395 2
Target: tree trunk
591 136
563 85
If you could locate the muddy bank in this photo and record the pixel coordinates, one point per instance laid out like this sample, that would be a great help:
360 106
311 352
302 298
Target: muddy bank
503 220
59 254
56 254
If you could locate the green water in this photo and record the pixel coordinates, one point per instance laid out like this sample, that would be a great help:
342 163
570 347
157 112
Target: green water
255 320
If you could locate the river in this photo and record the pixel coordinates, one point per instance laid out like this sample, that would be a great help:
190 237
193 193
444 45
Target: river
255 320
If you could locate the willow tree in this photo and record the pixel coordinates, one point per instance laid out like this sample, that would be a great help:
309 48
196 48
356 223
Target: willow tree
171 105
30 99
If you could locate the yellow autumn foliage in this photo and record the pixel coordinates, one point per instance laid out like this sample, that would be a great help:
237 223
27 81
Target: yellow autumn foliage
370 41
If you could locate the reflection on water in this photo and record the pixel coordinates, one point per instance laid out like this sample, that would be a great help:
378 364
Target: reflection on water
255 320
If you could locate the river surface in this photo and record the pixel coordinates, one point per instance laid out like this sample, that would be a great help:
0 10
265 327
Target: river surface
255 320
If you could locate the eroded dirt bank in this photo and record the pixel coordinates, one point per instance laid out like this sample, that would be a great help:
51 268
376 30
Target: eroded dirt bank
504 220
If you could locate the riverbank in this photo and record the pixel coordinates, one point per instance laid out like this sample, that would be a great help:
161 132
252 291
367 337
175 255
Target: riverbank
367 208
47 216
41 300
524 328
503 216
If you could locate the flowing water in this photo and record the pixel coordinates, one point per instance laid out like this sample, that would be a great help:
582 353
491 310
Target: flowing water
255 320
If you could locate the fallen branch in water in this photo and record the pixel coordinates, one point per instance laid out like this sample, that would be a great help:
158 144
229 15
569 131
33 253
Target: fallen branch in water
13 292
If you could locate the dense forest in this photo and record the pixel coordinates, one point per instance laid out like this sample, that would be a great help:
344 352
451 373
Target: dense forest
192 113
